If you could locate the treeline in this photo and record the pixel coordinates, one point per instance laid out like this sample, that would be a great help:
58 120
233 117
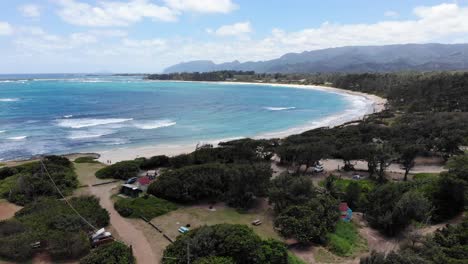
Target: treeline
216 76
237 184
238 151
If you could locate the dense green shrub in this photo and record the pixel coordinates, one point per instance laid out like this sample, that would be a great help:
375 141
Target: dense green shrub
155 162
215 260
121 170
310 222
148 207
286 190
237 242
87 159
112 253
53 222
28 182
237 184
391 207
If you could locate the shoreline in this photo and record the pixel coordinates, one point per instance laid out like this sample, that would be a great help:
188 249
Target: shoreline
362 104
374 104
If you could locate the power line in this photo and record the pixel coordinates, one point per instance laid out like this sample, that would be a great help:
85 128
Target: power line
61 194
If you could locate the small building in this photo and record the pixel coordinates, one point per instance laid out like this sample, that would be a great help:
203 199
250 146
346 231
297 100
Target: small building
346 212
130 190
143 183
151 174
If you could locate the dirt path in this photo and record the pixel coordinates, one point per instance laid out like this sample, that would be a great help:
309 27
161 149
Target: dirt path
121 228
8 210
333 164
125 229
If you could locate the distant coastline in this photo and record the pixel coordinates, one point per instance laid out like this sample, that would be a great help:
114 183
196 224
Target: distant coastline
374 104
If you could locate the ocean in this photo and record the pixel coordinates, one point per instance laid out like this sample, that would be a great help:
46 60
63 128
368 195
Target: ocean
57 114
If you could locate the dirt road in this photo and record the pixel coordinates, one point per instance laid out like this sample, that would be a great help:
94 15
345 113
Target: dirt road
122 228
125 229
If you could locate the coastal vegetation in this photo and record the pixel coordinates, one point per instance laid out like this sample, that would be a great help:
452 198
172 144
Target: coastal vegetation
237 184
115 253
121 170
57 228
345 240
228 244
86 159
25 183
448 245
147 206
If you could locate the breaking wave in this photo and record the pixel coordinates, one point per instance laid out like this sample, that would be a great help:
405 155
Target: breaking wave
9 99
90 122
154 124
280 108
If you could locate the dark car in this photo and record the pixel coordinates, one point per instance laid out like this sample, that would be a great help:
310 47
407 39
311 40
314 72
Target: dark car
131 180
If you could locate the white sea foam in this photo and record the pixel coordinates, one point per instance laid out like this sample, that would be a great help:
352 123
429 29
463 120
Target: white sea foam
2 131
67 116
154 124
84 135
90 122
9 99
18 138
280 108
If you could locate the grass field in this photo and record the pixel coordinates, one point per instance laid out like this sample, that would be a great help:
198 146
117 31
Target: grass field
425 176
147 206
201 215
345 241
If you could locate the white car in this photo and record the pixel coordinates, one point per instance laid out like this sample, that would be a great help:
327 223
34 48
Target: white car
318 169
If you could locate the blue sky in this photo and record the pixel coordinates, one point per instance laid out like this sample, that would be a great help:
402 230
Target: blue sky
40 36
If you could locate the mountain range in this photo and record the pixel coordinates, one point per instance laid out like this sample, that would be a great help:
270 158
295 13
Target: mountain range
352 59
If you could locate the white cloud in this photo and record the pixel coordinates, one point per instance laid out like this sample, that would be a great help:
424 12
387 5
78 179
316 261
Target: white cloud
30 10
441 23
237 29
107 14
5 29
95 50
391 13
202 6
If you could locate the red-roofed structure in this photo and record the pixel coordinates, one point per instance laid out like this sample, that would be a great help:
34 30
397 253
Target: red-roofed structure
144 180
346 212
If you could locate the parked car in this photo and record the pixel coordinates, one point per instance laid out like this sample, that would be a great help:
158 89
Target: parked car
183 229
357 177
256 222
131 180
318 169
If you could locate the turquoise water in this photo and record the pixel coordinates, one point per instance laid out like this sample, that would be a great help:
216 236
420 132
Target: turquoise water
64 114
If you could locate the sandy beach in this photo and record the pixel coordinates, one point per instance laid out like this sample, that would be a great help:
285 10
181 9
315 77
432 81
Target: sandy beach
363 104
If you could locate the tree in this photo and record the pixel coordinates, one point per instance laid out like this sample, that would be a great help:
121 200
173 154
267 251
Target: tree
113 253
310 222
407 157
448 196
237 242
121 170
287 190
353 195
384 157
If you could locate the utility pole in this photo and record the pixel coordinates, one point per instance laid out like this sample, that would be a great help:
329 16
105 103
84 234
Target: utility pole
188 252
